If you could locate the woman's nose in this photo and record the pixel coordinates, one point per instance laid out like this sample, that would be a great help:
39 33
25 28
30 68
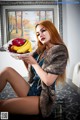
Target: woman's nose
41 34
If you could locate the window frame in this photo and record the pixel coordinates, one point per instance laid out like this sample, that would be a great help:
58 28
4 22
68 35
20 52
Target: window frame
54 8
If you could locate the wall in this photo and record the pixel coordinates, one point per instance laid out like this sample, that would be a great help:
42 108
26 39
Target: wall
71 34
7 61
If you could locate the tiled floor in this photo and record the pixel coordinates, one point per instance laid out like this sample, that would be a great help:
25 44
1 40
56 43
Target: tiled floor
68 102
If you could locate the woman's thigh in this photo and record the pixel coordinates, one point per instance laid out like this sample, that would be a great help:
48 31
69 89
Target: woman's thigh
18 83
26 105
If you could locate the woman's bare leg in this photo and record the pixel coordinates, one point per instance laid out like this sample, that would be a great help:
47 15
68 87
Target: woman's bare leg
20 86
24 105
20 105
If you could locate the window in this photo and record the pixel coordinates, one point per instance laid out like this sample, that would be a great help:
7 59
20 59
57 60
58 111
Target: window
19 21
22 23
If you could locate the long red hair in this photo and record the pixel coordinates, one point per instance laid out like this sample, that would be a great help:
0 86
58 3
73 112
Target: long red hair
55 39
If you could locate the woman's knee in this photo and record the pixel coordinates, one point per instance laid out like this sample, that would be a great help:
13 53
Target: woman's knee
8 69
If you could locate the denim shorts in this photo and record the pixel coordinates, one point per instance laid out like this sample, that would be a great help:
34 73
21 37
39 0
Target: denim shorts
34 91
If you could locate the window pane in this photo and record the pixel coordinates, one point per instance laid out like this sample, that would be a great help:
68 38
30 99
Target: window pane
49 15
11 24
29 19
42 15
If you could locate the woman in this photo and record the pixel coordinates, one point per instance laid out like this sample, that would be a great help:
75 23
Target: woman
48 65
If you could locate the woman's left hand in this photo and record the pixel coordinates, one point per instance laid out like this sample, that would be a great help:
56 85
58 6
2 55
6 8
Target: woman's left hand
29 59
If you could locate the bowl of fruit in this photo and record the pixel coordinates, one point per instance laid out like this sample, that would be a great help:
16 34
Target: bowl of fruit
20 47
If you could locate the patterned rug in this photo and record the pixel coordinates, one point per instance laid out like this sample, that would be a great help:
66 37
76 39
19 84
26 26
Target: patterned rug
68 102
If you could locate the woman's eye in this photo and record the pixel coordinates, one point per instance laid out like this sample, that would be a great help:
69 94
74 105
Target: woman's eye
43 30
38 34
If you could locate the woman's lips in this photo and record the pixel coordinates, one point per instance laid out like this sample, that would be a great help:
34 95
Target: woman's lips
42 39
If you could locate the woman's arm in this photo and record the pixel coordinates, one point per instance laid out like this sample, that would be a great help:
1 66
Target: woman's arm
47 78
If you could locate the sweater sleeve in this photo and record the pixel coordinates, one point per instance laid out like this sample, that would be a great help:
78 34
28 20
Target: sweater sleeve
56 60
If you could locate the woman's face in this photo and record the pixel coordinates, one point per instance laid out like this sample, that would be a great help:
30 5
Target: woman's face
42 34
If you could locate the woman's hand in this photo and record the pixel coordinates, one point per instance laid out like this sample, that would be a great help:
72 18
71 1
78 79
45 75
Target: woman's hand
28 59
